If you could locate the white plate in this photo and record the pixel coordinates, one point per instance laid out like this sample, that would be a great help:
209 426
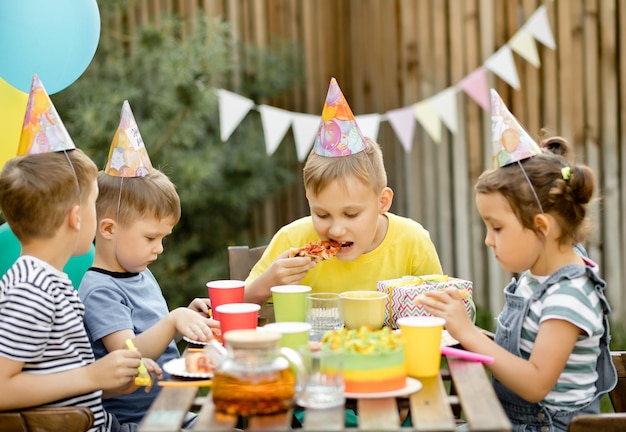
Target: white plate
177 368
412 386
195 342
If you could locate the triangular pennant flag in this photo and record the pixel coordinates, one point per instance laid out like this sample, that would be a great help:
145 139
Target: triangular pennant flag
233 108
275 122
43 130
502 64
524 44
510 141
369 125
305 128
444 103
128 156
475 86
402 121
538 26
429 119
339 134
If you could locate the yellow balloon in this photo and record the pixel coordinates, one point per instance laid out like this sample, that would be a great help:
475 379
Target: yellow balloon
12 110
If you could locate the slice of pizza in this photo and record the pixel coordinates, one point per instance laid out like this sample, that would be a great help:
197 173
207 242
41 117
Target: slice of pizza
318 251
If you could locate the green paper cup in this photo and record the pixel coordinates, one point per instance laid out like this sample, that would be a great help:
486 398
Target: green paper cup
292 334
290 302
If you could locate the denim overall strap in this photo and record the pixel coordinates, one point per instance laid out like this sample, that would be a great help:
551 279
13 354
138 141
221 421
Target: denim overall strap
528 416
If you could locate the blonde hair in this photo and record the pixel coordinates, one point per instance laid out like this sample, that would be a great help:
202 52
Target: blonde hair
128 198
37 191
367 166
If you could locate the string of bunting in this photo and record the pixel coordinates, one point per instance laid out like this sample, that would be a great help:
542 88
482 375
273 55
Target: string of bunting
432 113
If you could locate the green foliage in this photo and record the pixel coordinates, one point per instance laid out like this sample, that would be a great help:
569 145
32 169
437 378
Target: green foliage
169 76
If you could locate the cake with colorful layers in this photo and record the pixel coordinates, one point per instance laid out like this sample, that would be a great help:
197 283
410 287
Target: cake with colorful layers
373 361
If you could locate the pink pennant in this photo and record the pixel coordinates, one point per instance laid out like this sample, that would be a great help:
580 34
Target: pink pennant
402 120
475 85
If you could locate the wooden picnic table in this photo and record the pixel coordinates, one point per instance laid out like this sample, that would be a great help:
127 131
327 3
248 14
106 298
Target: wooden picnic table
431 409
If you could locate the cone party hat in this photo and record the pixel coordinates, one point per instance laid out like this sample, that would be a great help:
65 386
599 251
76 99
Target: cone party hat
42 130
511 143
338 134
128 156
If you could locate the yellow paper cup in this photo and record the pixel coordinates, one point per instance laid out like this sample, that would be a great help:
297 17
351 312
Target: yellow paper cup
421 337
364 308
292 334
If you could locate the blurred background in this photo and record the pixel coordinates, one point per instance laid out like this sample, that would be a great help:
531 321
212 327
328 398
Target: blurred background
415 73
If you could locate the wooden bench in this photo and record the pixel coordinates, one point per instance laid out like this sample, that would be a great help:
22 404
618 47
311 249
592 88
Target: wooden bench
48 419
608 422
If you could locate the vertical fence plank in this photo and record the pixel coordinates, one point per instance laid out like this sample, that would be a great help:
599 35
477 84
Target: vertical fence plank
612 223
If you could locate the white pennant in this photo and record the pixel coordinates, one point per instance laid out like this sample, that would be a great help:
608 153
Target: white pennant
305 127
524 44
502 64
275 122
444 103
369 124
233 108
429 119
538 25
402 121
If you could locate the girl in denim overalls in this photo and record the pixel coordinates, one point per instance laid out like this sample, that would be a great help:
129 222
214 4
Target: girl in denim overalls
551 352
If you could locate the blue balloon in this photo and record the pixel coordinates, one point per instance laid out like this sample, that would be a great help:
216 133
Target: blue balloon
10 250
55 39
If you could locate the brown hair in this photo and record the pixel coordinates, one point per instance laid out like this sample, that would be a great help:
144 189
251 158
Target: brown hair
367 166
151 196
37 191
565 199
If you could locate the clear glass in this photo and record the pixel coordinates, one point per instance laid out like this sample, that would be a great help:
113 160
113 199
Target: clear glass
323 385
324 313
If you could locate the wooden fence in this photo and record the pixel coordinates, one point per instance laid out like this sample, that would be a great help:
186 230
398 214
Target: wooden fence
389 54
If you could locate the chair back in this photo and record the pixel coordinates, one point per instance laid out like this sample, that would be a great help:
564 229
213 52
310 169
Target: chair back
48 419
613 422
241 259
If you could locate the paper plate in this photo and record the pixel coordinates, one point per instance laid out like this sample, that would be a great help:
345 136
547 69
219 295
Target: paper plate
412 386
176 367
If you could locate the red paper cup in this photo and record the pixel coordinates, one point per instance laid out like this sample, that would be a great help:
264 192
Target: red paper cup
224 292
237 316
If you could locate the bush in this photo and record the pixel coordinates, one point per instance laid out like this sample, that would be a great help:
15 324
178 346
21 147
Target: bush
168 75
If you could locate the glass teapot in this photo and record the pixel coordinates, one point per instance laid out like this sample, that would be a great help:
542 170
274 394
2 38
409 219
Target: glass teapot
253 376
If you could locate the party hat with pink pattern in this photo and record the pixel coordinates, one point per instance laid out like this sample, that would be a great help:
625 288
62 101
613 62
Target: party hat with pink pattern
338 134
128 156
42 130
511 143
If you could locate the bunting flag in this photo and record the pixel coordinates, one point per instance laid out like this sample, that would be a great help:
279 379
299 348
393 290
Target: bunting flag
402 121
475 86
369 124
233 108
524 44
431 113
275 123
502 64
304 128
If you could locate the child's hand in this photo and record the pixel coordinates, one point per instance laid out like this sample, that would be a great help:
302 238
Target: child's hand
289 271
202 305
448 304
154 370
117 370
192 324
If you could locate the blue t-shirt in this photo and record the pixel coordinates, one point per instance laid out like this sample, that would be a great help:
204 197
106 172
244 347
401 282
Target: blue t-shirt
124 301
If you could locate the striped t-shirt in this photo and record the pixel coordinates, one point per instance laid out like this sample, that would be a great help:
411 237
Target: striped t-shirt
575 301
41 324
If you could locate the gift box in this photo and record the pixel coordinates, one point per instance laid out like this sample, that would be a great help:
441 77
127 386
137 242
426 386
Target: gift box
403 292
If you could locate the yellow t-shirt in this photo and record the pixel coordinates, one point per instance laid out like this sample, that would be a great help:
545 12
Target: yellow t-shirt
405 250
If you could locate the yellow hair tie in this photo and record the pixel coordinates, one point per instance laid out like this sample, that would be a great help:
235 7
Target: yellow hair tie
566 172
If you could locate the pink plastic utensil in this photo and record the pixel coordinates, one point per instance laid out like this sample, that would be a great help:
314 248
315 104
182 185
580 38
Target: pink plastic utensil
466 355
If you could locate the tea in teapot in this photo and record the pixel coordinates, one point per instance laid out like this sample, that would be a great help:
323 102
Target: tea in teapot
255 377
